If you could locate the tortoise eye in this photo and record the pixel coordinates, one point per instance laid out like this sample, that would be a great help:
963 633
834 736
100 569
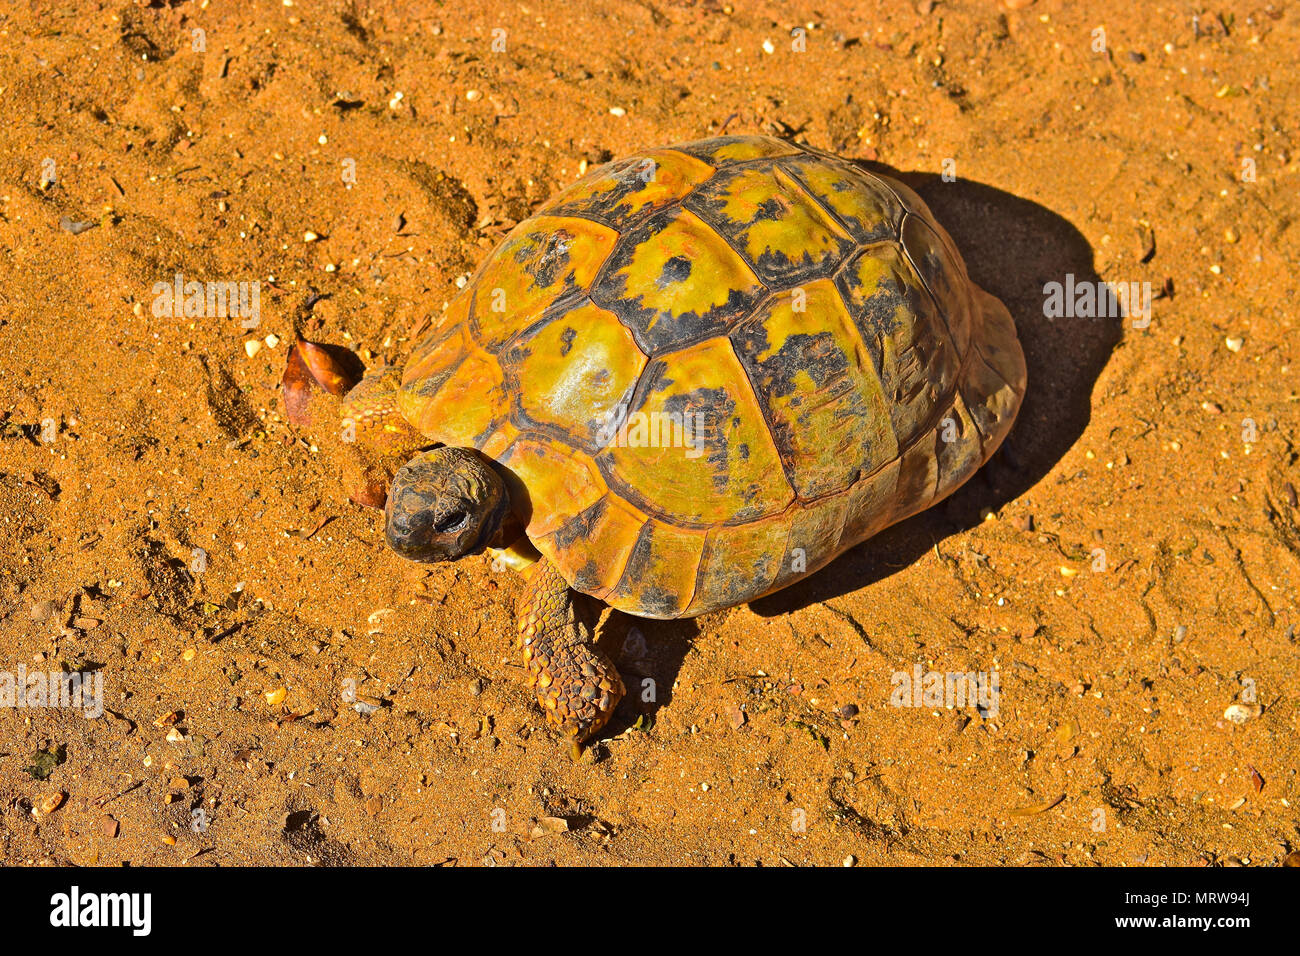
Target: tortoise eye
450 521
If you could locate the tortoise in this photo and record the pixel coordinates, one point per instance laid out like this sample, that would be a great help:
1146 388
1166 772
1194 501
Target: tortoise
693 377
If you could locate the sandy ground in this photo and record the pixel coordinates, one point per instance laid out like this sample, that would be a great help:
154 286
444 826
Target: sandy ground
1128 566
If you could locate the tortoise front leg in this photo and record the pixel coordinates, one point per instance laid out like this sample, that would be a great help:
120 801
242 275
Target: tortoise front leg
577 685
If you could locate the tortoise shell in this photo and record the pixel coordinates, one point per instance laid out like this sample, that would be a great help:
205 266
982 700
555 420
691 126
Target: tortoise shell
708 370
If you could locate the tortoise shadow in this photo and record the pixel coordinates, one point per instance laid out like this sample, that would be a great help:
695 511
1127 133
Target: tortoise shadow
1034 246
648 654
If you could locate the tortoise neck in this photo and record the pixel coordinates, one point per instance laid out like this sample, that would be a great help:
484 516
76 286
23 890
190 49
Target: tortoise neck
518 555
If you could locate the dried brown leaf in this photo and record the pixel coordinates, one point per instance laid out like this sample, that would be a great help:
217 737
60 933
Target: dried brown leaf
311 368
1256 779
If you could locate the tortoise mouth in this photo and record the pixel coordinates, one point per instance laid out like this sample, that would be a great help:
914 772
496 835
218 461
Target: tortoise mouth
421 538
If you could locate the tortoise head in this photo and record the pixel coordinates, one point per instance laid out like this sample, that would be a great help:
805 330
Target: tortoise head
444 504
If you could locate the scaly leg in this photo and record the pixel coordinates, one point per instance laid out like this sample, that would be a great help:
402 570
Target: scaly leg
376 438
577 685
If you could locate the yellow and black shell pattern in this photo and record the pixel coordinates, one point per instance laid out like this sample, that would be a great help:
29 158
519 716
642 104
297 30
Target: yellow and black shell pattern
707 370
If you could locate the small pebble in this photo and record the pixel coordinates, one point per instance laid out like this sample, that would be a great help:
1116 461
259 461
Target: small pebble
850 860
309 236
1240 713
252 347
473 95
76 228
51 803
617 111
735 716
1234 343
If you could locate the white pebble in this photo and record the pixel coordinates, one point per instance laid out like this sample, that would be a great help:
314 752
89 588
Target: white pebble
1234 343
1240 713
252 347
617 111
